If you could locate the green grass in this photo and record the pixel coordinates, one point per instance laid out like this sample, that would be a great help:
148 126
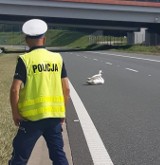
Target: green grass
154 50
64 38
55 38
76 40
7 128
11 38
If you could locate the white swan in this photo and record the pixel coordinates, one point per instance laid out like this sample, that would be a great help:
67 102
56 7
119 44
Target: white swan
1 50
96 79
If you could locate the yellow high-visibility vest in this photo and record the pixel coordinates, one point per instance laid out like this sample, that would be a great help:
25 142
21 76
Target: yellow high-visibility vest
42 95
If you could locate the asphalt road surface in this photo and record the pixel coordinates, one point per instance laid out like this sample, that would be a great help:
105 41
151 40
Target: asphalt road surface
125 110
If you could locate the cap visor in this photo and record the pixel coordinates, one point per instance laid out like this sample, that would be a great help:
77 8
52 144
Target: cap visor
35 37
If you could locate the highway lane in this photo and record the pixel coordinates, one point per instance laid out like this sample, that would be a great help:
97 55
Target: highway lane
125 110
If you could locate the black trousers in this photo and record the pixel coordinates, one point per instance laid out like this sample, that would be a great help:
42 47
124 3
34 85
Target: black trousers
27 135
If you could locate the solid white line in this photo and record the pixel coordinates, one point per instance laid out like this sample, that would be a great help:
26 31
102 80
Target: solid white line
132 69
138 58
97 149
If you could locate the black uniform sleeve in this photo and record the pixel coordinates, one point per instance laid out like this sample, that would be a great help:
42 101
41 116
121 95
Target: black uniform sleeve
64 72
20 72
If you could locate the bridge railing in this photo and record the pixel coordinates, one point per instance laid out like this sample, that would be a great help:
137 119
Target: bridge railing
149 3
141 0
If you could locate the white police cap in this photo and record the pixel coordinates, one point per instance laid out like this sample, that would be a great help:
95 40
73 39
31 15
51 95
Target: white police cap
34 27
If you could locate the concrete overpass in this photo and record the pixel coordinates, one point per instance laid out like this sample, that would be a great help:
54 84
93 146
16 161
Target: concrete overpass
112 16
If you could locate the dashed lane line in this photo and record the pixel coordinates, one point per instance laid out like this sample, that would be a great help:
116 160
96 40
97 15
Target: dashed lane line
133 70
96 147
109 63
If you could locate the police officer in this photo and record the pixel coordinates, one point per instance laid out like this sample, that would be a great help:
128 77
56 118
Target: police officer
38 97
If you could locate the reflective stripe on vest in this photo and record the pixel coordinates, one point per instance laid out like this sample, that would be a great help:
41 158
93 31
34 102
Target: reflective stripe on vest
44 112
54 100
42 95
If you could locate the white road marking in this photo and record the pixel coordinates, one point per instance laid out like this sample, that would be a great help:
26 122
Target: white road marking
95 59
97 149
108 63
76 120
138 58
132 69
85 56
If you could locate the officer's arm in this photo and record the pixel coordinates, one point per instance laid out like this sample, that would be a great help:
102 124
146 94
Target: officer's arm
66 90
14 97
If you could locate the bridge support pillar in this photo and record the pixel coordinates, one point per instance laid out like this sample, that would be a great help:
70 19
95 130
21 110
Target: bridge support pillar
136 37
152 37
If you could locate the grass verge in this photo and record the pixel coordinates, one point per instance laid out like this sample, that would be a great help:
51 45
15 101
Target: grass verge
154 50
65 40
7 128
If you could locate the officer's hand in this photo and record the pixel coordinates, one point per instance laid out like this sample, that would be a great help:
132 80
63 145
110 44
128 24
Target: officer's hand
62 120
17 118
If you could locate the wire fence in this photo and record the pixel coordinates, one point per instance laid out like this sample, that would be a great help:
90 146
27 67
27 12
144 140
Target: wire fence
10 34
